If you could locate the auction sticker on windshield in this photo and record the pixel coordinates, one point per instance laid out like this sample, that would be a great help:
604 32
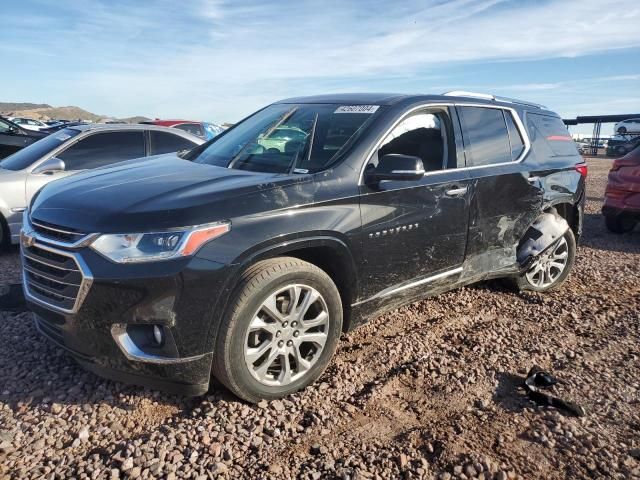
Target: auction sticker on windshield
357 109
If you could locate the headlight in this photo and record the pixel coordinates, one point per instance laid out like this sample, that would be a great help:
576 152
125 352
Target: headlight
146 247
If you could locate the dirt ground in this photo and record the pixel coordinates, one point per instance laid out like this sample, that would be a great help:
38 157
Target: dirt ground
428 391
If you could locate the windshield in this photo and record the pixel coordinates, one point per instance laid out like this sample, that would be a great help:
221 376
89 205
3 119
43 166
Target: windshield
25 157
288 138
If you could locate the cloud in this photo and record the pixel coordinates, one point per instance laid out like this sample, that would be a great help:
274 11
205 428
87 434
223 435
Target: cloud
220 59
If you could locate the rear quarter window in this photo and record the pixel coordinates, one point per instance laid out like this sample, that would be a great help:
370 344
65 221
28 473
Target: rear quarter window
553 131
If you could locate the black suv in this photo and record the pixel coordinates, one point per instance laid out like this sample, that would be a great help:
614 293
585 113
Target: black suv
302 221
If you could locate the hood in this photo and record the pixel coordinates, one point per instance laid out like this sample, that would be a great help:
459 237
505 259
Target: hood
146 194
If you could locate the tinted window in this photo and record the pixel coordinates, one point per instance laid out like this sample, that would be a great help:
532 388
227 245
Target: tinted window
164 142
192 128
25 157
485 136
555 132
419 135
515 139
102 149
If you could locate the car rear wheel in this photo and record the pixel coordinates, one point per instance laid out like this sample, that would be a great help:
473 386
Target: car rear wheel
619 224
281 330
552 267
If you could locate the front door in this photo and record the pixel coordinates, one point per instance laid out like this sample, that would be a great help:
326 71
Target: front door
415 232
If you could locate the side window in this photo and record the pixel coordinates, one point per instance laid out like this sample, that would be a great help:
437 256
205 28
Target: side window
164 142
423 135
102 149
485 135
192 128
515 139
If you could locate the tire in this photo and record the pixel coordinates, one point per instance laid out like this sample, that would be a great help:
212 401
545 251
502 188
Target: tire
622 130
618 224
5 234
261 312
525 281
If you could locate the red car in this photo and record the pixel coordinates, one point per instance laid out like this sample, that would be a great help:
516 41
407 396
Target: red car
621 208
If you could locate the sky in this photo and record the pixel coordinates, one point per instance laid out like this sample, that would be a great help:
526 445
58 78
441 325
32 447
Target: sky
219 60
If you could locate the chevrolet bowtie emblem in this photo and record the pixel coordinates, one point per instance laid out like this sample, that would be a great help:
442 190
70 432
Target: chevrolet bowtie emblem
27 240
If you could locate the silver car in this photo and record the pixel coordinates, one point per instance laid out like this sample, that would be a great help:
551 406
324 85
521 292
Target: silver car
71 150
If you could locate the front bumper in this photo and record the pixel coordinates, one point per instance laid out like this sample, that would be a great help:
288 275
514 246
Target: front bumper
99 329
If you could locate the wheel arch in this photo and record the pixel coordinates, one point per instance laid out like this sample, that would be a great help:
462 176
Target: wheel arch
329 253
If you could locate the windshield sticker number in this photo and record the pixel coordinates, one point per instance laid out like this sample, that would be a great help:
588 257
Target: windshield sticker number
357 109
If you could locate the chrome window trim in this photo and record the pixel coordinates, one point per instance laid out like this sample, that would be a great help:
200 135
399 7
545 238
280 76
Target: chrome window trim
132 352
85 284
514 113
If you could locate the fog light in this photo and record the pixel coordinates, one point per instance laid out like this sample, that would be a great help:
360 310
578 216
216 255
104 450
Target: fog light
157 334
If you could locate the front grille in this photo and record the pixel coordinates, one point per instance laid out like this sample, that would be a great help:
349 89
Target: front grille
57 234
54 277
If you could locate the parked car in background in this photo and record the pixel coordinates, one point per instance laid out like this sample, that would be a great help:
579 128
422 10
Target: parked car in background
71 150
13 137
29 123
281 137
249 262
621 208
204 130
622 144
631 125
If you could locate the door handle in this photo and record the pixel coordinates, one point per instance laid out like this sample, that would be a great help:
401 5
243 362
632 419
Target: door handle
456 192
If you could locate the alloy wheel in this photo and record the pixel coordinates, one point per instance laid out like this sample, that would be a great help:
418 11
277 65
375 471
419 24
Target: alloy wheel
549 265
286 335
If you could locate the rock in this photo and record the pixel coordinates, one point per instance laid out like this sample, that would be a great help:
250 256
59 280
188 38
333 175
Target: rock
83 434
275 469
403 461
56 408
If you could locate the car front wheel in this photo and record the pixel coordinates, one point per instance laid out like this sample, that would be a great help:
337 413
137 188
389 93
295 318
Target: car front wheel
281 329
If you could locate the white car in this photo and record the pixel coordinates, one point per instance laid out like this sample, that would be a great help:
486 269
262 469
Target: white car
631 125
29 123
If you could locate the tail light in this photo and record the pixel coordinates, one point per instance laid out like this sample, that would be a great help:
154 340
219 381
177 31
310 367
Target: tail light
582 169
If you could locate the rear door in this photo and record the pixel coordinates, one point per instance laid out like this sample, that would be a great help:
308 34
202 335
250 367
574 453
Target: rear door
95 150
506 196
415 232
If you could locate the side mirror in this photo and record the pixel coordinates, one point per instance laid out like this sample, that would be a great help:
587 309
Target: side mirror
395 166
49 166
13 130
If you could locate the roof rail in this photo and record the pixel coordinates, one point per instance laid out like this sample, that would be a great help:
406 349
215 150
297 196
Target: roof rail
488 96
462 93
521 102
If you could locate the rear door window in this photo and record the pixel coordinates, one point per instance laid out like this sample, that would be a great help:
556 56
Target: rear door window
554 132
165 142
485 134
102 149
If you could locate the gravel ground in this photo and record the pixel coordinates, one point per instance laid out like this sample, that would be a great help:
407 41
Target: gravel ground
427 391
